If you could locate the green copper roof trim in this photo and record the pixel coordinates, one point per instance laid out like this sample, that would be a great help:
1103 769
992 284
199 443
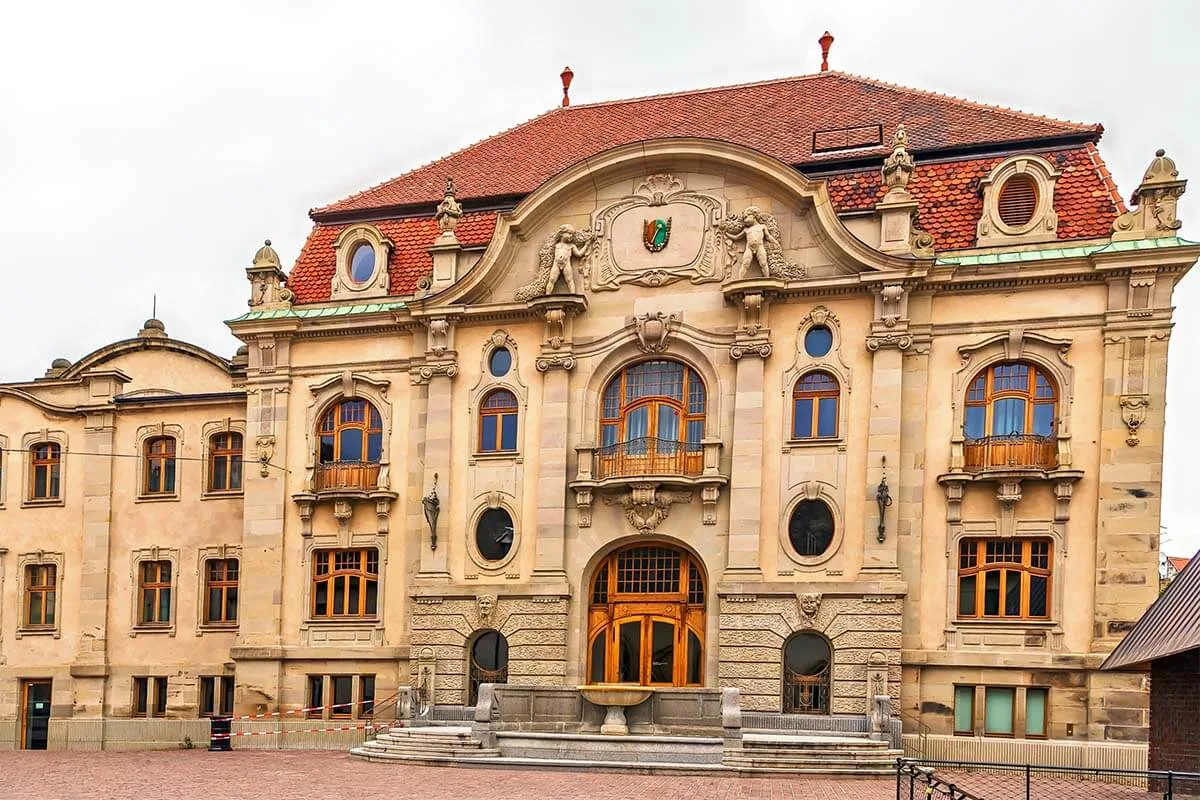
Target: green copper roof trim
1051 253
309 313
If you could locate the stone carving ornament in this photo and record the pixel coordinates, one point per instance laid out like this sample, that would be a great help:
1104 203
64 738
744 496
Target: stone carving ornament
764 245
556 260
653 330
810 604
646 506
485 605
449 211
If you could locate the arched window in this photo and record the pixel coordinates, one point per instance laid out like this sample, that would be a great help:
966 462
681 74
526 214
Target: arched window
806 674
225 462
1009 418
350 446
1004 578
646 618
498 422
652 421
46 471
815 406
489 662
160 466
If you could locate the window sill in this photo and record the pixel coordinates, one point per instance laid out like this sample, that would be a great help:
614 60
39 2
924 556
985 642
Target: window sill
363 622
43 631
157 498
1014 622
496 455
138 630
216 627
43 503
238 495
805 444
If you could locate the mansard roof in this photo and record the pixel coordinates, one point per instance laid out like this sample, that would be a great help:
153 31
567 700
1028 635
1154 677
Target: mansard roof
799 120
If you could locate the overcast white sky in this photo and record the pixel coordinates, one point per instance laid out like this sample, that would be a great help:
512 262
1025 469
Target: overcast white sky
148 148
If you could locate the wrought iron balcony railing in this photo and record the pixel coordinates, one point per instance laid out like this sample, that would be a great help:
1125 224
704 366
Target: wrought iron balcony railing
353 475
649 456
1015 451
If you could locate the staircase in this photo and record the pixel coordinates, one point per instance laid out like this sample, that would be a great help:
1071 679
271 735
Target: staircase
812 753
442 744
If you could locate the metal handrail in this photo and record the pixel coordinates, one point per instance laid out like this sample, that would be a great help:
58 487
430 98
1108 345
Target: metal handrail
331 475
647 455
1010 451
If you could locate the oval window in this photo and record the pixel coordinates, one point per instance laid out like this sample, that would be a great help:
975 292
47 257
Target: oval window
1018 200
494 534
362 263
500 362
811 528
818 341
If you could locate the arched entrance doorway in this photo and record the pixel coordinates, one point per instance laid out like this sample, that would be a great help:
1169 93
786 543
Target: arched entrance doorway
646 618
488 659
807 666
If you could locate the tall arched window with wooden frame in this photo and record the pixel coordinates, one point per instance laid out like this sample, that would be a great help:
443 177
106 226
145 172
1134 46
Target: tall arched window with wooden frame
225 462
345 583
498 422
652 420
45 472
815 400
1010 418
646 618
350 444
1004 578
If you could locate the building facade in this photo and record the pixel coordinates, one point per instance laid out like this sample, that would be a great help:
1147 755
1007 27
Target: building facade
821 388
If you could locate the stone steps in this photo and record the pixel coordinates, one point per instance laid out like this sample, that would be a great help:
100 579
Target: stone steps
441 745
623 749
813 753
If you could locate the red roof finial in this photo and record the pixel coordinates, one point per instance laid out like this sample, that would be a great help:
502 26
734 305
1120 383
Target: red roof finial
825 41
566 76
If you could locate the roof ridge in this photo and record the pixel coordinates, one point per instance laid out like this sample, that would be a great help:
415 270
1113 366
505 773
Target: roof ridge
704 90
426 165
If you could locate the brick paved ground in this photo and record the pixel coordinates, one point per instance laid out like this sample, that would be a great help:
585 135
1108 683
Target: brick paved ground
333 775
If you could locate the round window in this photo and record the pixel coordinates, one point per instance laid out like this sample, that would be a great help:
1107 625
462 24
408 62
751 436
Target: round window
818 341
362 263
500 362
811 528
494 534
1018 200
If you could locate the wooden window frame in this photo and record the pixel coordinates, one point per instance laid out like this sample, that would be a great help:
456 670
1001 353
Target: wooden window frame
1045 734
684 453
991 395
45 456
341 710
47 594
227 446
816 396
315 710
681 406
1012 714
954 710
220 692
223 584
157 586
362 473
156 697
328 558
161 451
1024 568
500 414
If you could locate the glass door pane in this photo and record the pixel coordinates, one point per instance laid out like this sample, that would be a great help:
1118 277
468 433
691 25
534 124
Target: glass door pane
662 652
629 654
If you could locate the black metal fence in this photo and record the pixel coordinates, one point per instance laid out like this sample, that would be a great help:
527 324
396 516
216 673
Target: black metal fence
976 780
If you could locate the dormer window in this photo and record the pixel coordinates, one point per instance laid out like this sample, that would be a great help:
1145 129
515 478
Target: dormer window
362 263
1018 203
361 253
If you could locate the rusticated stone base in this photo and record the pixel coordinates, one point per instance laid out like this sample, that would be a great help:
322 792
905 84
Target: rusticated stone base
864 630
534 625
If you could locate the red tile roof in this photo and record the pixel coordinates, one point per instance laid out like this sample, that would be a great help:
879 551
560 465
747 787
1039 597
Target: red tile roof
312 277
1179 563
778 117
951 205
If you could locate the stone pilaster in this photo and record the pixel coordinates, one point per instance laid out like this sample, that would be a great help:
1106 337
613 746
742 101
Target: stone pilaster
91 657
434 563
552 474
746 470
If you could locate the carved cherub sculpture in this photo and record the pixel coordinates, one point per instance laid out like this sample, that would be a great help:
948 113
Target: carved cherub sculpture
556 259
763 244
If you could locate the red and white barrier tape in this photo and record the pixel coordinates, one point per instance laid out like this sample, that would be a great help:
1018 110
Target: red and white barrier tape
380 728
294 711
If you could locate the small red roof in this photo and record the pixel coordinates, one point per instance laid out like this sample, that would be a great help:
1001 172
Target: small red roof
1179 563
800 120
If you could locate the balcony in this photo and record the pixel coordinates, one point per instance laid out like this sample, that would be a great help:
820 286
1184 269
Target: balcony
355 476
646 475
1015 452
647 456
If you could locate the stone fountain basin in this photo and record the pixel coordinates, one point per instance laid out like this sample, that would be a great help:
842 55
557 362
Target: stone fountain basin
612 694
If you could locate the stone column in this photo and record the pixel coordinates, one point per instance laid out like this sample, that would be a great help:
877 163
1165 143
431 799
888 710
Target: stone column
90 668
552 472
745 474
434 563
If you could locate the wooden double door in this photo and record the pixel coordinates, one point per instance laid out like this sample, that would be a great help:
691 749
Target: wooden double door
646 619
